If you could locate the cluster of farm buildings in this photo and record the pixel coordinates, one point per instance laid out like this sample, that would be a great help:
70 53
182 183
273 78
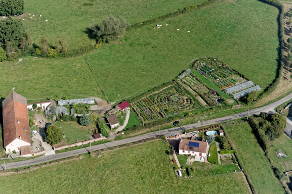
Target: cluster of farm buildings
16 129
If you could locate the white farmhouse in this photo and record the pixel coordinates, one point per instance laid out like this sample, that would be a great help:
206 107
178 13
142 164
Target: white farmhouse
197 149
16 132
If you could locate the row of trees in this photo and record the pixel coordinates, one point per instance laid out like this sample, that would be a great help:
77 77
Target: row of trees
11 7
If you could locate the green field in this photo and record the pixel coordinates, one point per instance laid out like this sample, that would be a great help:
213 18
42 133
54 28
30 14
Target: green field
281 144
252 158
74 132
144 168
68 20
147 57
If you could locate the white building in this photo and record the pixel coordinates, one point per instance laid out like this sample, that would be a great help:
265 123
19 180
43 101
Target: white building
42 105
197 149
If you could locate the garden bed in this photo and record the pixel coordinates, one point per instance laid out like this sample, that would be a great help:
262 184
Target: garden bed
168 101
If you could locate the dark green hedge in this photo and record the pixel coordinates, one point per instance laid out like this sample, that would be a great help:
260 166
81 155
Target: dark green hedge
11 7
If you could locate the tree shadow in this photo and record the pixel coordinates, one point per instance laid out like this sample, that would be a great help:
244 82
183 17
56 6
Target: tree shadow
90 33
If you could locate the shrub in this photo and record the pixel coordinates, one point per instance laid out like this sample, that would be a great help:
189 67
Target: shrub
34 106
84 120
54 134
3 56
11 7
103 128
52 52
109 29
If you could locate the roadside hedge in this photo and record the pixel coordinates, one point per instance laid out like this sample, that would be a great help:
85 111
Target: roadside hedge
11 7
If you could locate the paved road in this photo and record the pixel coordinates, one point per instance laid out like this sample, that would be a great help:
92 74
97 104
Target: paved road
151 135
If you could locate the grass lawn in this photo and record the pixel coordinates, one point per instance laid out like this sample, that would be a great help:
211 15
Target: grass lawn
144 168
147 57
213 158
74 132
252 158
67 20
133 120
38 79
282 144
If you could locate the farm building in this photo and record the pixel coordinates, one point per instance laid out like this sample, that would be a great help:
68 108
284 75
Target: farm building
76 101
113 121
16 132
42 105
123 105
197 149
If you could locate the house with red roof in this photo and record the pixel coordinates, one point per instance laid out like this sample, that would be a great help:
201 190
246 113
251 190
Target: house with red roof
197 149
16 131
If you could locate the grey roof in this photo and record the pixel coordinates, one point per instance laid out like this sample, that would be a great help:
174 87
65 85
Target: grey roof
246 91
76 101
239 87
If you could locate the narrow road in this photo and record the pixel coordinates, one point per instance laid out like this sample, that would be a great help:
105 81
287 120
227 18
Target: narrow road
59 156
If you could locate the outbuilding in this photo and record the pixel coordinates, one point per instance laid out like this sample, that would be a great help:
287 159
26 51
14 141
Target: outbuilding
113 121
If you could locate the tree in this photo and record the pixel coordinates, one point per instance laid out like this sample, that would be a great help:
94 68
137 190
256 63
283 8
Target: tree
11 7
3 56
84 120
249 98
54 134
109 29
12 34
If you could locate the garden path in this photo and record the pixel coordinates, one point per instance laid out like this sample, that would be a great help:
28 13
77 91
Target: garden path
121 128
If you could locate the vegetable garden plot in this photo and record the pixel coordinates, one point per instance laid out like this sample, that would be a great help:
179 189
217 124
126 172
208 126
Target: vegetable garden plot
209 96
218 72
166 102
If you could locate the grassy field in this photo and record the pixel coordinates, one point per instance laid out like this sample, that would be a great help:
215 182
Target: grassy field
74 132
282 144
252 158
144 168
147 57
68 20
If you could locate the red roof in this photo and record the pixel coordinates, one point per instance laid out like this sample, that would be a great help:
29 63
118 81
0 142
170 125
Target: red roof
15 119
124 105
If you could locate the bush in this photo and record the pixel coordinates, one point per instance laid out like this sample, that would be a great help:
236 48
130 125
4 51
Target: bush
11 7
3 56
84 120
103 128
54 134
109 29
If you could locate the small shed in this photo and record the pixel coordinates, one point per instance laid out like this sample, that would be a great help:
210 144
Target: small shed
123 105
113 121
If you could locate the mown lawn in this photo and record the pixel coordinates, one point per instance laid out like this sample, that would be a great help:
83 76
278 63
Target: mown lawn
133 120
74 132
144 168
147 57
252 158
68 20
281 144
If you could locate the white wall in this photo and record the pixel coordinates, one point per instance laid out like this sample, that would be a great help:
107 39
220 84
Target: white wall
15 145
42 105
